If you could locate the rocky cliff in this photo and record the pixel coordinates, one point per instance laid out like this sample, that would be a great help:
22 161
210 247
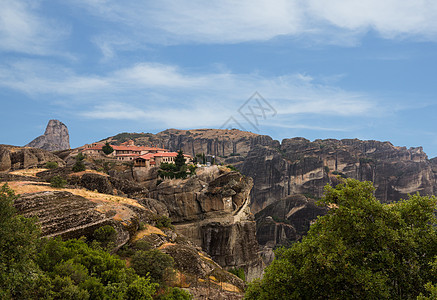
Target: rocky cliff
299 166
212 210
13 158
55 137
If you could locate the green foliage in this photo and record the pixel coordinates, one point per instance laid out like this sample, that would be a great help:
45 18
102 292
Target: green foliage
19 275
77 271
153 263
326 169
233 168
234 154
51 165
175 293
58 182
342 175
162 221
361 249
180 160
105 235
107 149
176 170
31 268
192 169
79 165
239 272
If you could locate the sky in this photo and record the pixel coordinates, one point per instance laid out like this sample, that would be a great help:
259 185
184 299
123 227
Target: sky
317 69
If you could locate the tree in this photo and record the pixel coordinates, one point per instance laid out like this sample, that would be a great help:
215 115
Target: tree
19 275
153 263
180 160
361 249
79 166
107 149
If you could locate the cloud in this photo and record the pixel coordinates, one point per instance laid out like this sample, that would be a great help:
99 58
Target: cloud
322 21
166 94
23 30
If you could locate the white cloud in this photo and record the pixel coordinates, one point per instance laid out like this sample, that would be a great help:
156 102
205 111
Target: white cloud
225 21
23 30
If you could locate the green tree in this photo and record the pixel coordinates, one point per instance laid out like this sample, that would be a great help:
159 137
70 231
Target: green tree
19 275
51 165
79 165
58 182
156 264
107 149
361 249
180 160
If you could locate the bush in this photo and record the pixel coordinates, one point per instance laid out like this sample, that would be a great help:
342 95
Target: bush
153 263
79 166
58 182
163 222
175 293
105 235
107 149
239 272
51 165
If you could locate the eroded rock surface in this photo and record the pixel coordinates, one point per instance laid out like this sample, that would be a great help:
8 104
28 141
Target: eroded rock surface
215 215
55 137
14 158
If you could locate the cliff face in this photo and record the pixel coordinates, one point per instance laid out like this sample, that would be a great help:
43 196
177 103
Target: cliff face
299 166
56 137
212 210
304 167
13 158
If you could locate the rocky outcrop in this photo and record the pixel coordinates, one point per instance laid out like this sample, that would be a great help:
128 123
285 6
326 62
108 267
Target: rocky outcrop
285 221
14 158
212 210
304 167
64 214
55 137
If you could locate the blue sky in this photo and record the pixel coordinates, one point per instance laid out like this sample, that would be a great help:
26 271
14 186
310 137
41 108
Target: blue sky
322 68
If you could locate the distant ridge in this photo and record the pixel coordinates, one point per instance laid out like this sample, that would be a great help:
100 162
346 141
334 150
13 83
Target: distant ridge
56 137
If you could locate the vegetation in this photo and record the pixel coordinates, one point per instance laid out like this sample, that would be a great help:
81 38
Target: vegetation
153 263
176 170
232 168
31 268
58 182
107 149
79 165
163 222
342 175
51 165
200 158
239 272
105 235
361 249
175 293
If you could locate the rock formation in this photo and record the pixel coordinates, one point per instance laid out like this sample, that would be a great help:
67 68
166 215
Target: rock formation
298 166
212 210
13 158
55 137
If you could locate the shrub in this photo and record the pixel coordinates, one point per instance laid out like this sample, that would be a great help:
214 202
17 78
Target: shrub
51 165
105 235
175 293
79 166
107 149
239 272
163 222
153 263
58 182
